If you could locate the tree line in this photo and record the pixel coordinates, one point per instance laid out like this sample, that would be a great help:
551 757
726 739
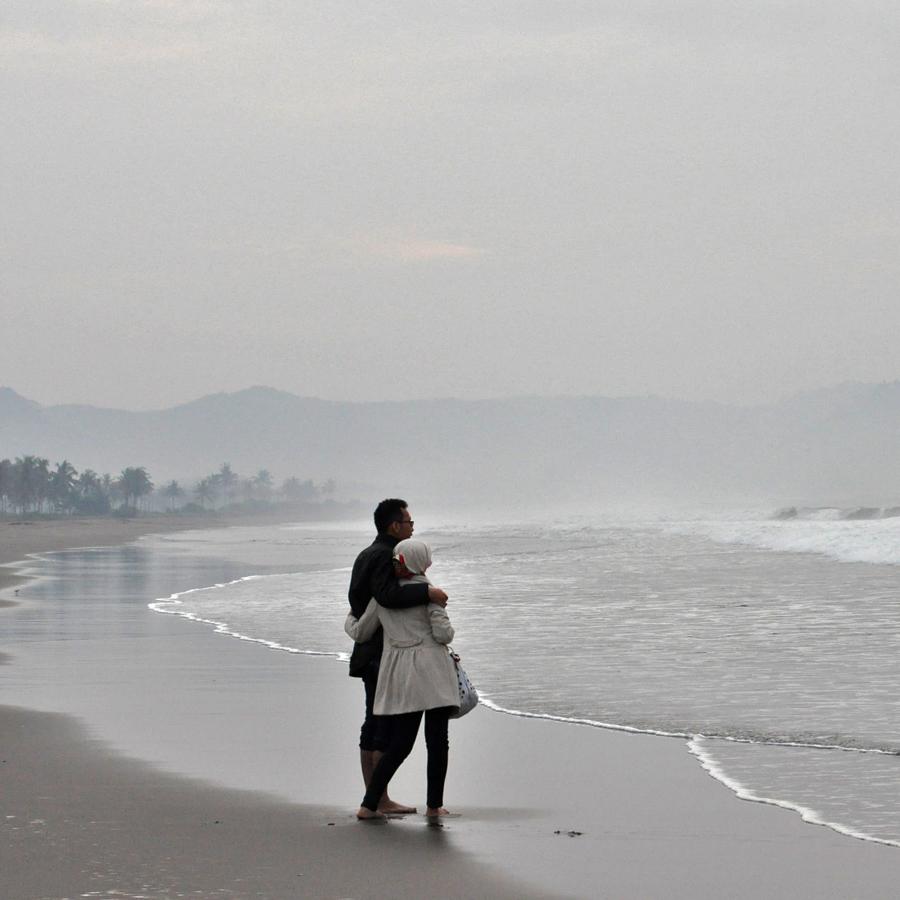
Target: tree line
31 485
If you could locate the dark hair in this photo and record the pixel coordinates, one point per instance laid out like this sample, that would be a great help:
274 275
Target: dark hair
388 511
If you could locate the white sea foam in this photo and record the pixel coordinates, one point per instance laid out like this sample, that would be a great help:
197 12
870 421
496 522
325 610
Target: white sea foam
573 720
173 605
702 748
866 541
613 726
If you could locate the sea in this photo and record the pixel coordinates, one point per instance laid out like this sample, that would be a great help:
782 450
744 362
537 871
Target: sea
771 646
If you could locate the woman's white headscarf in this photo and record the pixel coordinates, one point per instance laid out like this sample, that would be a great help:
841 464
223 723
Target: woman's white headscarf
415 555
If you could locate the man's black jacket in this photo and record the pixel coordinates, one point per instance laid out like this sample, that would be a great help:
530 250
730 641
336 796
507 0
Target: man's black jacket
373 576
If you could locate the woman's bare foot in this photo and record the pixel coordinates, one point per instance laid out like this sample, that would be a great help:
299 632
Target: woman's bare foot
364 814
434 813
391 807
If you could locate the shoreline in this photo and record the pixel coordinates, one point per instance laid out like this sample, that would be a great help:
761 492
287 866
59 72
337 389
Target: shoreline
581 812
24 538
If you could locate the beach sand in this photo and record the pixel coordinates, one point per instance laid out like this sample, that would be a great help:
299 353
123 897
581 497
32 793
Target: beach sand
81 821
113 800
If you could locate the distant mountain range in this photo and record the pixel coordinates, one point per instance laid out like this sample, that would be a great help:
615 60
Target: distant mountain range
836 446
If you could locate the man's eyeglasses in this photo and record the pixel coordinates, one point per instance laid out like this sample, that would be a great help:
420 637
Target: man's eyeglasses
404 521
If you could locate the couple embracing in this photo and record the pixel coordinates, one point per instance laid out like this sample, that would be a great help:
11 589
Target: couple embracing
399 623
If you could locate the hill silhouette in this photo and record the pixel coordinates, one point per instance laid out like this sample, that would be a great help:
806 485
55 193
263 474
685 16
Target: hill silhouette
838 445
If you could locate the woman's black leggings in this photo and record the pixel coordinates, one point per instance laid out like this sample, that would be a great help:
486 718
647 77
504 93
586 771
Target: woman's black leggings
403 731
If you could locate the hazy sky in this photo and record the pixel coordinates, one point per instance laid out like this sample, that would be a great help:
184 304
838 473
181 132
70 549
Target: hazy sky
379 200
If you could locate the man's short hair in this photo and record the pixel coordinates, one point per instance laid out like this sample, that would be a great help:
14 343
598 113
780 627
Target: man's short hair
388 511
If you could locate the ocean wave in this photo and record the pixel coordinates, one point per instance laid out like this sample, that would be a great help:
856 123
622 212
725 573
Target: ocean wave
867 541
756 740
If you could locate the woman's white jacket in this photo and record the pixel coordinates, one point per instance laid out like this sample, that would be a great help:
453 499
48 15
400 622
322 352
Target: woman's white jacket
416 670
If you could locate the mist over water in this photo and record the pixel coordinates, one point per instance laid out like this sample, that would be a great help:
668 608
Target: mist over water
687 627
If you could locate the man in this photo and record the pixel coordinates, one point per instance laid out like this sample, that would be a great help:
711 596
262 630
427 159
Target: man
373 576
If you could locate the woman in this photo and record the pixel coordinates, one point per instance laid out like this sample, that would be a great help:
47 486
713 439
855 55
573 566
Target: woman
416 677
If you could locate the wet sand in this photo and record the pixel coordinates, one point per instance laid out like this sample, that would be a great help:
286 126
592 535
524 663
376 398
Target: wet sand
79 820
22 537
252 781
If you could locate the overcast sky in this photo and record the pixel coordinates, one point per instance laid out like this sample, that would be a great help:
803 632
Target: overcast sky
380 200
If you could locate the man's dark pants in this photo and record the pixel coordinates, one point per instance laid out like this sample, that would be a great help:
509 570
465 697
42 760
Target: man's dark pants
375 731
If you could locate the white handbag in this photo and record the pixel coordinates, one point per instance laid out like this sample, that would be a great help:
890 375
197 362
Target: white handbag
468 696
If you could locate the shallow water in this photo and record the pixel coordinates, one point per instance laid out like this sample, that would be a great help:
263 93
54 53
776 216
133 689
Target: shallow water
678 628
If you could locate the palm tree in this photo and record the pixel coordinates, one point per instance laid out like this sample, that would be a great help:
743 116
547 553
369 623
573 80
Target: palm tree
134 484
228 480
204 491
172 491
215 483
62 486
290 488
6 483
296 490
31 476
88 481
248 490
111 488
93 495
262 482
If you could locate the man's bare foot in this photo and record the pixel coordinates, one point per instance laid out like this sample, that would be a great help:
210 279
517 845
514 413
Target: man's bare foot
364 814
392 808
434 813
